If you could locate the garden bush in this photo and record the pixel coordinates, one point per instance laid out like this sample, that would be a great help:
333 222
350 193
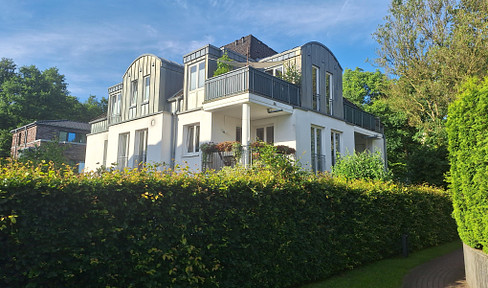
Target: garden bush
235 228
468 153
365 165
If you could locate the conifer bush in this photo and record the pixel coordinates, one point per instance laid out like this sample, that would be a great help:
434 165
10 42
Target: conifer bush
468 153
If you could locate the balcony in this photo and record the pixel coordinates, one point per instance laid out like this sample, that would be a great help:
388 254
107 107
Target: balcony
98 126
251 80
357 116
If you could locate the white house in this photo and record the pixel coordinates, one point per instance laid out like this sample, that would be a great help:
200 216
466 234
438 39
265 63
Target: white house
163 111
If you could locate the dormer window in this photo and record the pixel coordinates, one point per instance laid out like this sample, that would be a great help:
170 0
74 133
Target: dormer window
197 75
147 82
133 96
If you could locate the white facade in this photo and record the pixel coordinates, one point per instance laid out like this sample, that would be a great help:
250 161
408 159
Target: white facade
243 105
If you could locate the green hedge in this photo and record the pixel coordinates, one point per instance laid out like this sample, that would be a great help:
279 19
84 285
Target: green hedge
468 154
235 228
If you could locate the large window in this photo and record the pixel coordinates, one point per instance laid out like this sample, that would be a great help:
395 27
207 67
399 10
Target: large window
328 92
335 145
123 151
140 149
193 138
197 76
147 82
315 88
318 159
72 137
115 104
265 134
133 96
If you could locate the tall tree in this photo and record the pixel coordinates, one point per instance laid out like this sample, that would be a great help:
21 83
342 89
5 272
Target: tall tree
429 47
28 94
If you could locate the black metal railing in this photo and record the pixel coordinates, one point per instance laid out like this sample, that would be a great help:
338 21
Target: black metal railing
355 115
248 79
218 160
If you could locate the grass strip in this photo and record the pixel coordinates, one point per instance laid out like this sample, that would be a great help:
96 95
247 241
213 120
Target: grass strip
387 273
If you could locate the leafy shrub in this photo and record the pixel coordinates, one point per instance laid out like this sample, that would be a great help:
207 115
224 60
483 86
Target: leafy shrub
467 128
223 65
147 228
363 165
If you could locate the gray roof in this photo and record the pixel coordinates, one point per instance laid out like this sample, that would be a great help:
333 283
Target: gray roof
58 123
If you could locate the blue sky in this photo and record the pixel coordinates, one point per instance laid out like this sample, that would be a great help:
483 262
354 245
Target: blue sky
93 42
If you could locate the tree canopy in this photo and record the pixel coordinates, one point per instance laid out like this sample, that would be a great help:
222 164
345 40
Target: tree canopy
28 94
429 47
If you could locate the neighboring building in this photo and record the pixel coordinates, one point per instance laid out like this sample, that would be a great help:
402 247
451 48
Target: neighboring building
70 133
249 103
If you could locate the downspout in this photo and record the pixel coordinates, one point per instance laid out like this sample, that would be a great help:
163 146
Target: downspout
174 130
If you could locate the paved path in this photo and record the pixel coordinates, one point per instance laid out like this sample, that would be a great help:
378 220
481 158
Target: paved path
444 272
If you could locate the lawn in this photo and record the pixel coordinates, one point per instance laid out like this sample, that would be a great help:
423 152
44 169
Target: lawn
386 273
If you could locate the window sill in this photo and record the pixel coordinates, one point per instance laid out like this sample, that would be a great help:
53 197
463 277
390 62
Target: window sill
191 155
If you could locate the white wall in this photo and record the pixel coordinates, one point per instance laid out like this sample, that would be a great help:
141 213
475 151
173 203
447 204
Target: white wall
94 151
204 119
158 141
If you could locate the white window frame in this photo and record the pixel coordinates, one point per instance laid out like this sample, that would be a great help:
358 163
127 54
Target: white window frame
316 91
147 85
266 130
115 103
123 150
196 79
329 95
277 71
140 147
192 139
317 148
133 93
335 145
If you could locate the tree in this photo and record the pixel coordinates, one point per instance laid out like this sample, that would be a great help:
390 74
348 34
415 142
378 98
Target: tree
292 74
408 159
363 88
223 65
28 94
429 47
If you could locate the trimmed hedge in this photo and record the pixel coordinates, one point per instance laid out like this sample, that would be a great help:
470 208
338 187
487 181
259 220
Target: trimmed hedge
235 228
467 127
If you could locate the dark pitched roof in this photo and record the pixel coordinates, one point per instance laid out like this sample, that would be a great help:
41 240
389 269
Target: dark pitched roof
58 123
251 47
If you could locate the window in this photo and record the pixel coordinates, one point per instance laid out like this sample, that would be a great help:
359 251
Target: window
265 134
239 134
335 146
115 104
193 138
140 149
105 147
197 76
133 98
328 92
277 71
71 137
147 82
315 88
123 152
318 159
